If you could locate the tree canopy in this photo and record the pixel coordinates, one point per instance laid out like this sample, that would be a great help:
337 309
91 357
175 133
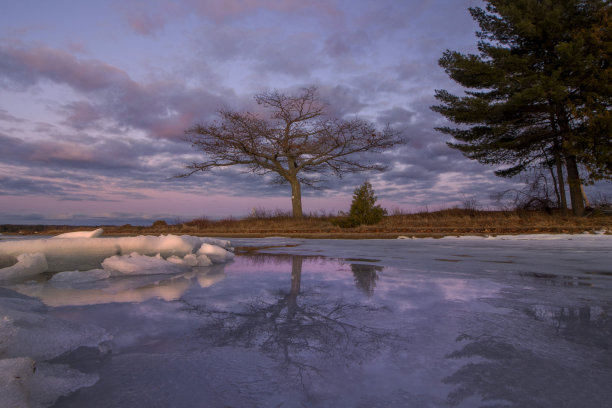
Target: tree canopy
538 93
297 141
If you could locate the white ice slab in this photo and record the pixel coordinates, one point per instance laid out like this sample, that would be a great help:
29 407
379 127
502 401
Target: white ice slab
136 264
28 264
80 253
81 234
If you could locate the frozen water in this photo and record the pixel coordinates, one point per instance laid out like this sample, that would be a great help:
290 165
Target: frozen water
29 339
28 264
136 264
72 277
454 322
215 253
14 381
87 253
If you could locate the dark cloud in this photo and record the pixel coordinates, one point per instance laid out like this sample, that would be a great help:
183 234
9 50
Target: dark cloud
396 116
27 186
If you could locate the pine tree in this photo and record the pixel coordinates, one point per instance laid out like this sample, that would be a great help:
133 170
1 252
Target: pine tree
539 92
364 210
363 207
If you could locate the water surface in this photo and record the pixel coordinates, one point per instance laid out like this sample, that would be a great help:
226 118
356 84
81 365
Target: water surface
314 323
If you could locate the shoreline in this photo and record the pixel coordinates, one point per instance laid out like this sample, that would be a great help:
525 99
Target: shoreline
452 222
339 235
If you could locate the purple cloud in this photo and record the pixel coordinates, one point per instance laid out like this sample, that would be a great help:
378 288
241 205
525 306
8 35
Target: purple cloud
163 109
150 17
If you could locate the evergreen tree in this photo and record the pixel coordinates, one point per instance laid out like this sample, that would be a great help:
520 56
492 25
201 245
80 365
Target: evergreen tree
363 207
539 91
364 210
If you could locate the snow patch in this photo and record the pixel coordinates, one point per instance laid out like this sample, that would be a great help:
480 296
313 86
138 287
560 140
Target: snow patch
594 235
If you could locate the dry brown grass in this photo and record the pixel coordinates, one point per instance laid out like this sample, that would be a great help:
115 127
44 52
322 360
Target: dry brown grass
438 223
445 222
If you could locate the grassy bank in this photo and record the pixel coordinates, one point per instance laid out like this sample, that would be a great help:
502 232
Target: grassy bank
438 223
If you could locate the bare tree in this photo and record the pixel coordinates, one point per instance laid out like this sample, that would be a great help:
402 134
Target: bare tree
299 335
297 140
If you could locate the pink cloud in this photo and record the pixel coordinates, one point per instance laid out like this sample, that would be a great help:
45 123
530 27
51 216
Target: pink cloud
144 23
109 92
174 126
28 65
81 114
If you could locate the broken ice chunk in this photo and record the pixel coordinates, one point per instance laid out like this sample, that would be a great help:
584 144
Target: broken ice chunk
28 264
215 253
136 264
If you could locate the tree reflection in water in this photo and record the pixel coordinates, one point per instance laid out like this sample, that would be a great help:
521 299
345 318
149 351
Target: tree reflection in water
305 336
508 370
366 277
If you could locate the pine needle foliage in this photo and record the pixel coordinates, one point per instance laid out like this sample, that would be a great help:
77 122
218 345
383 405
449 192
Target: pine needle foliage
364 210
539 92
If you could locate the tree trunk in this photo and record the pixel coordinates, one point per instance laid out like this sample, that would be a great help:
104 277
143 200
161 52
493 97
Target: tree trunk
296 199
555 185
584 196
573 180
573 177
560 181
296 278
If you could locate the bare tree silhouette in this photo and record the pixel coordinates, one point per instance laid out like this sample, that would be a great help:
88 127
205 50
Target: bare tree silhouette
298 334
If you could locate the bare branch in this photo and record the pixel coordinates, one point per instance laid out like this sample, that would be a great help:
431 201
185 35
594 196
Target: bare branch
296 139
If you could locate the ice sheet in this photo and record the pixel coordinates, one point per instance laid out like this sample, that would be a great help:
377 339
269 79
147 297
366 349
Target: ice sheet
72 277
456 322
15 375
29 339
70 253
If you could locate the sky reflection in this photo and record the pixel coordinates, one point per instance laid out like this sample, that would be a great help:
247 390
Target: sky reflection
295 330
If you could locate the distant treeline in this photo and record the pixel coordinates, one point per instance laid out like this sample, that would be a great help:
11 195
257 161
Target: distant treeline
31 229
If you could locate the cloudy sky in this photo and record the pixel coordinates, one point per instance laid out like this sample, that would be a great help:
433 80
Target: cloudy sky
95 97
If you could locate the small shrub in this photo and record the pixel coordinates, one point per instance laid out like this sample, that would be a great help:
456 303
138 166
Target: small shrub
364 210
201 222
160 223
